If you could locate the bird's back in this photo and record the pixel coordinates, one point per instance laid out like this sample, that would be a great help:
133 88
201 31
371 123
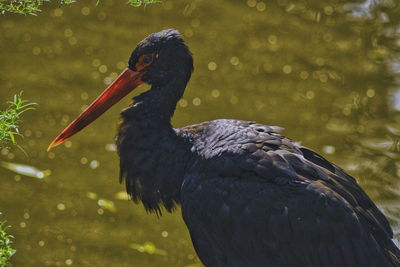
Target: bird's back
252 197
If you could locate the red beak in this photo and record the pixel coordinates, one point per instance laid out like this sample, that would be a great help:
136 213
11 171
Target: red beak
123 85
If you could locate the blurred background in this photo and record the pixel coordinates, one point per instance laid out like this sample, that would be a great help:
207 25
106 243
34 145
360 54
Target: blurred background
325 70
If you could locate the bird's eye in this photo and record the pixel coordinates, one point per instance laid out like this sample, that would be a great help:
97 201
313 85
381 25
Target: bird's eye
144 61
147 59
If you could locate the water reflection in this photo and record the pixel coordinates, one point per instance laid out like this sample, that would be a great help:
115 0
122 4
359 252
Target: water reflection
122 195
25 170
327 71
149 248
395 99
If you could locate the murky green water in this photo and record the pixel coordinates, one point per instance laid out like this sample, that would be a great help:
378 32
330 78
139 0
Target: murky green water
325 73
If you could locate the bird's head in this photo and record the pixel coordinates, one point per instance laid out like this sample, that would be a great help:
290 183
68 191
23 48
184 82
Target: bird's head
161 56
156 60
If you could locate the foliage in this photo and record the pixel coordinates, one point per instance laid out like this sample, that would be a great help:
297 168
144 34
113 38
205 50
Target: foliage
31 7
10 120
9 129
137 3
6 251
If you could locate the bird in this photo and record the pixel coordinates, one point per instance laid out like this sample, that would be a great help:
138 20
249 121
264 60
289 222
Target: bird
249 196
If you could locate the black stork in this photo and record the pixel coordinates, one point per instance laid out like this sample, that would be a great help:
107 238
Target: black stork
249 196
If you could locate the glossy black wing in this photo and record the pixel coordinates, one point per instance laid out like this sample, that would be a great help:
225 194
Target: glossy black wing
254 198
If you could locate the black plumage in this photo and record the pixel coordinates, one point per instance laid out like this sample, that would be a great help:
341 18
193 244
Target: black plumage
249 196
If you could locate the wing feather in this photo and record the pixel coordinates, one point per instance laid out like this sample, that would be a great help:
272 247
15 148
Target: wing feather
254 198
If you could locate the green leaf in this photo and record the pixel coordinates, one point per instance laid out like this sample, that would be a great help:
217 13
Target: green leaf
10 120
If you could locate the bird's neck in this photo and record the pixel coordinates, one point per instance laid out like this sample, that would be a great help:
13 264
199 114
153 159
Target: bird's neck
159 102
153 158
